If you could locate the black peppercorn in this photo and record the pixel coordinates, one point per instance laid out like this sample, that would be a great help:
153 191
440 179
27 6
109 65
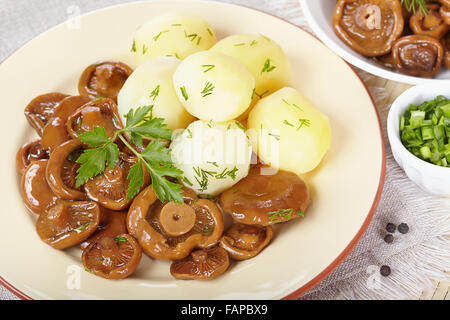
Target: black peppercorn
390 227
389 238
385 271
403 228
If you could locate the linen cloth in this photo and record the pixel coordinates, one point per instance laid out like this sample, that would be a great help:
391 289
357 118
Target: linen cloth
415 258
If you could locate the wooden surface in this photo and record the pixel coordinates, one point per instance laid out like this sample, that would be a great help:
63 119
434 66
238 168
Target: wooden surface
441 290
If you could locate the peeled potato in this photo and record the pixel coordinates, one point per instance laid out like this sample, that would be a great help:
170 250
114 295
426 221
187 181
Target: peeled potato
290 132
213 86
175 34
213 156
151 84
262 57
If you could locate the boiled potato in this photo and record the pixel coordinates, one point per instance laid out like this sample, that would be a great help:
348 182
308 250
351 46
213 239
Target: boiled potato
290 132
213 156
213 86
175 34
262 57
151 84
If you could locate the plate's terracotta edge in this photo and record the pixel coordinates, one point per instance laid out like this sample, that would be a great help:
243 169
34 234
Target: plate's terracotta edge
14 290
316 280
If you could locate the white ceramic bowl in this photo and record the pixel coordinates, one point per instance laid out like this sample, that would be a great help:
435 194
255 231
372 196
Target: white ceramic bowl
318 13
431 178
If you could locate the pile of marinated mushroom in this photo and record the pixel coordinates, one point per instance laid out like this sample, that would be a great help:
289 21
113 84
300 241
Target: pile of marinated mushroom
111 171
113 232
414 40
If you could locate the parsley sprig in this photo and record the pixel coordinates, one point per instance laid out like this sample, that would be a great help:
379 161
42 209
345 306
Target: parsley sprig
155 158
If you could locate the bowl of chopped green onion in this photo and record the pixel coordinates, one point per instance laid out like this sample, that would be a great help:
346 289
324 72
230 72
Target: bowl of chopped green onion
419 133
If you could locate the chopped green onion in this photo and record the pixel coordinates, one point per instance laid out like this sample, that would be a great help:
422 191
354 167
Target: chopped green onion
425 130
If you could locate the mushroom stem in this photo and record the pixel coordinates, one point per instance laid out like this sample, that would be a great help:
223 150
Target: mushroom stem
177 219
368 17
432 20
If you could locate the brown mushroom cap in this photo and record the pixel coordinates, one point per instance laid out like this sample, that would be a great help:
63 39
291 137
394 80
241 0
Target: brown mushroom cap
68 223
202 264
28 153
432 24
104 78
101 113
418 55
370 27
110 189
112 257
55 131
36 192
62 170
41 109
244 242
112 224
444 11
266 199
143 222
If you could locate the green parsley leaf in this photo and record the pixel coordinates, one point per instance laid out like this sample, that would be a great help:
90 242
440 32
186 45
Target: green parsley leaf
136 117
156 157
157 153
153 128
94 138
136 178
112 154
92 164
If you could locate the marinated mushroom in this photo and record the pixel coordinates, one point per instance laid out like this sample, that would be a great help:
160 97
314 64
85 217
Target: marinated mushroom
103 79
244 242
28 153
41 109
68 223
62 170
265 199
418 55
445 3
165 231
112 224
444 11
36 192
112 257
55 131
101 113
446 44
431 24
370 27
202 264
110 188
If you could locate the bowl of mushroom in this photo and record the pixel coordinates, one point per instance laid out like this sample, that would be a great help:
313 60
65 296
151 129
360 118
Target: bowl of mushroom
404 41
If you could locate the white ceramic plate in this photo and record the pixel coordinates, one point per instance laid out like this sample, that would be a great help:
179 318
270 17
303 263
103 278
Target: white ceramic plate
318 13
345 188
